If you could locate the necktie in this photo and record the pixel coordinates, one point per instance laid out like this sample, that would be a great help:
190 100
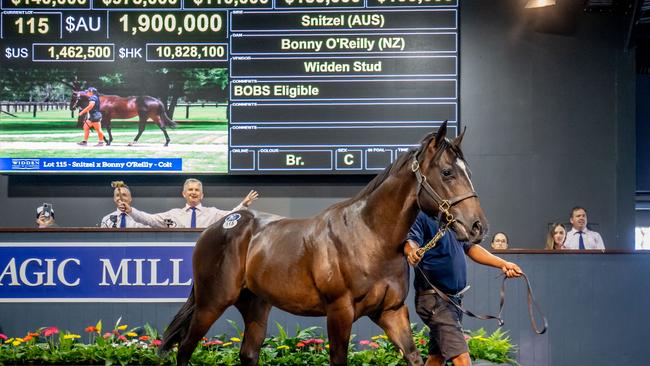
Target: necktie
193 222
123 220
581 241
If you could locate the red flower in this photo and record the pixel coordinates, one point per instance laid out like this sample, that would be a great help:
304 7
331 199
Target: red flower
144 338
156 342
364 342
216 342
107 335
28 338
122 338
50 331
422 341
314 341
300 344
90 329
374 345
3 337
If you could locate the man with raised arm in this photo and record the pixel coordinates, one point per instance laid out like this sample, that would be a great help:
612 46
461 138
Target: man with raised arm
193 215
119 219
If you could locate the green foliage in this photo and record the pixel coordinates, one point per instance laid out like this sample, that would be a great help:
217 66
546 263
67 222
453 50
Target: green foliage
53 85
37 85
495 348
138 346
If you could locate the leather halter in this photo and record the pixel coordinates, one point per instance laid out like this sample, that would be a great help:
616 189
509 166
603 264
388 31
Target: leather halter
443 204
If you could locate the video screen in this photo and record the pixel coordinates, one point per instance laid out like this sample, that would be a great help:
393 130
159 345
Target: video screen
223 86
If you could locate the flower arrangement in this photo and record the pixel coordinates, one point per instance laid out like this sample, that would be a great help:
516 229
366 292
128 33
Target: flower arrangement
126 346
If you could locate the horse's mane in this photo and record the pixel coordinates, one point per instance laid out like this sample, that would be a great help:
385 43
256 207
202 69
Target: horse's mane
403 159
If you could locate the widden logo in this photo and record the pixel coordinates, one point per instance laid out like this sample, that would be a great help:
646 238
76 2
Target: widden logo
25 164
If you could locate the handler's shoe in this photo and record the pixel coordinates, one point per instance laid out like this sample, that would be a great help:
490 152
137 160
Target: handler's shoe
82 143
101 143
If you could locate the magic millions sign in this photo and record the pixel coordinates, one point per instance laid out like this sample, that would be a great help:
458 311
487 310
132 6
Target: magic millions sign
95 272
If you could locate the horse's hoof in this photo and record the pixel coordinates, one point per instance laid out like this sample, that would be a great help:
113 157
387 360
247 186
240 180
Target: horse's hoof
166 144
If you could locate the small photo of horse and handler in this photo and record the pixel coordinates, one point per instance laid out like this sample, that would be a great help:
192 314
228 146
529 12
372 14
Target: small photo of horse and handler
162 113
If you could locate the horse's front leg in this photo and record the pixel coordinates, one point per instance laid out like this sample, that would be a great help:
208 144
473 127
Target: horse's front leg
395 323
255 312
340 316
141 124
107 122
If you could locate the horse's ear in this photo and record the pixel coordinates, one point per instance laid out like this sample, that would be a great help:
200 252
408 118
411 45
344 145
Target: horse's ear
442 132
459 139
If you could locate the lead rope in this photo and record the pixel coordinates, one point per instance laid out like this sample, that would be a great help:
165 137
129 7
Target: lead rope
502 295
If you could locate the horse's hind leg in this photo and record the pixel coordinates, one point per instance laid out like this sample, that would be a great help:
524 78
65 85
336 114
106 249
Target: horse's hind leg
395 322
163 129
255 312
218 267
202 320
214 292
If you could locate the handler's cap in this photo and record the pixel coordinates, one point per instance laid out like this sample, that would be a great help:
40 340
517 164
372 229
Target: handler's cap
39 210
92 90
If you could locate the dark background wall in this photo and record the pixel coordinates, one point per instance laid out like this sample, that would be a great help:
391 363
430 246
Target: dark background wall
550 122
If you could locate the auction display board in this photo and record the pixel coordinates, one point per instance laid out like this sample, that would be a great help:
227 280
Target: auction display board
239 86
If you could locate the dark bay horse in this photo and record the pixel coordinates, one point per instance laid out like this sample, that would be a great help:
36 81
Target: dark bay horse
344 263
113 106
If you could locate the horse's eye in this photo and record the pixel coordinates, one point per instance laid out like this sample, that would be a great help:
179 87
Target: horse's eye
446 172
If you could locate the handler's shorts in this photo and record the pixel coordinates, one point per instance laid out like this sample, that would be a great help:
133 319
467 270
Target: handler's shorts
444 321
95 117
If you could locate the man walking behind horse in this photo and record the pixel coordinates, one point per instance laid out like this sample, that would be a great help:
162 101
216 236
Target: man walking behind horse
444 267
94 117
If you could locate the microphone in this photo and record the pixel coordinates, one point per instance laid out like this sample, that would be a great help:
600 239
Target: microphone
113 219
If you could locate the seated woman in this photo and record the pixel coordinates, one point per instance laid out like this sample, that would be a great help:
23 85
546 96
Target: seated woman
556 237
499 241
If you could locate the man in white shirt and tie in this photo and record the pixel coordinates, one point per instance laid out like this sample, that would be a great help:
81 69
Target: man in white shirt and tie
193 215
118 218
580 237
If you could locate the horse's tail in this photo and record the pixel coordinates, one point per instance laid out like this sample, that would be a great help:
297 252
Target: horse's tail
176 331
165 121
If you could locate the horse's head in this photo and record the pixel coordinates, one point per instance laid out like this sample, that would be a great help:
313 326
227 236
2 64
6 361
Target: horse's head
77 99
445 188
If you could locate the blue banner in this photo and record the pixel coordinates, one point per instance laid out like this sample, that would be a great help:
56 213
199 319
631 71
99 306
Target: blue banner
95 272
91 164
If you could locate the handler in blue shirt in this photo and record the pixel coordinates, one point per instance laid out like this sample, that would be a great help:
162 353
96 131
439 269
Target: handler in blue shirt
445 267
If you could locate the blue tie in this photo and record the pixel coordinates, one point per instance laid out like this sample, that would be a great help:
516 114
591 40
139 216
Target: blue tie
581 242
123 221
193 222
